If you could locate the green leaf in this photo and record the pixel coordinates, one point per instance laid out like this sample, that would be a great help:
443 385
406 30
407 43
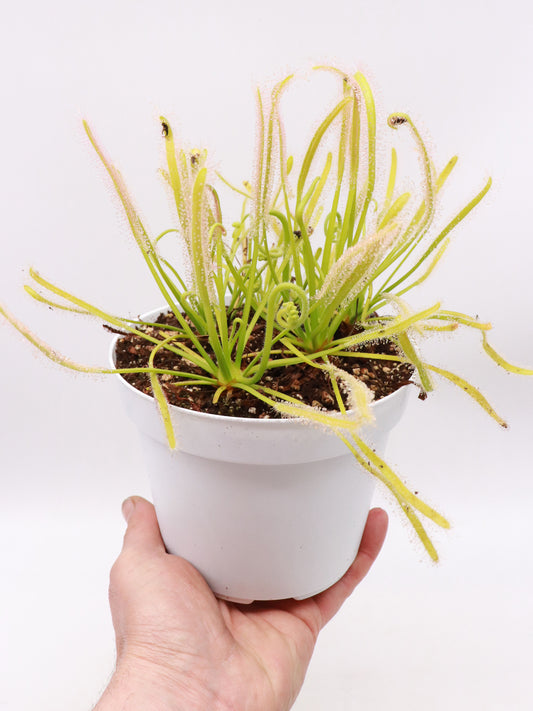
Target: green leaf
518 370
354 270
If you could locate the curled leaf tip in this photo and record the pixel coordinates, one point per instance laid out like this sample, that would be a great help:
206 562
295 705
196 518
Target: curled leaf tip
396 120
166 131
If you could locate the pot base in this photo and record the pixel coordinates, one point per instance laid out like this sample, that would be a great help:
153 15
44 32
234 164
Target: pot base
236 600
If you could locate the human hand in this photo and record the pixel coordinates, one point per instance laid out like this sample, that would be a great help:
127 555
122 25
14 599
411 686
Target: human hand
179 648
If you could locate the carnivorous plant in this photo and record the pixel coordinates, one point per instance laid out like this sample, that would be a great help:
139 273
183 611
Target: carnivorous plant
317 244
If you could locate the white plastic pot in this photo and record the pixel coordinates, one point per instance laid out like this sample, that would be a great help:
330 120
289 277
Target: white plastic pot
264 509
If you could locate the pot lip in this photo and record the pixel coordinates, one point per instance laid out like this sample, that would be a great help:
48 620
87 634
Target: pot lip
263 422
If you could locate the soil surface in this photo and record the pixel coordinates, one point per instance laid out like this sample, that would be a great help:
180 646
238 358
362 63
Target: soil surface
309 384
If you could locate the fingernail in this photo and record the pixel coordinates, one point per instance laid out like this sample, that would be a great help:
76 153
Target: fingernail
127 508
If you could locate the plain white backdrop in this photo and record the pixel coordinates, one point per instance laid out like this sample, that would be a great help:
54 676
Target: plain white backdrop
414 636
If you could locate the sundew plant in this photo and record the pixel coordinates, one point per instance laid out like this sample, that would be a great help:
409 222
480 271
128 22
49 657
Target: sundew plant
315 246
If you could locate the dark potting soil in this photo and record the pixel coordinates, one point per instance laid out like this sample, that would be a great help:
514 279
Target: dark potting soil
308 384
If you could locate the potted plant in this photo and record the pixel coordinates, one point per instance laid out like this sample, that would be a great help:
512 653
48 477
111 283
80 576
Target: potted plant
266 384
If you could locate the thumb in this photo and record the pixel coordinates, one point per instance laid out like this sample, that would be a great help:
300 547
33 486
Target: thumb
142 533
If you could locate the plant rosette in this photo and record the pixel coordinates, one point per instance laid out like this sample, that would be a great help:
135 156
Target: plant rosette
318 262
265 509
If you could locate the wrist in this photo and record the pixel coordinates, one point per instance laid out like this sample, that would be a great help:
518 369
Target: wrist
138 686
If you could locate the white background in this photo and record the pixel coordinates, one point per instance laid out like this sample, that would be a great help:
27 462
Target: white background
414 636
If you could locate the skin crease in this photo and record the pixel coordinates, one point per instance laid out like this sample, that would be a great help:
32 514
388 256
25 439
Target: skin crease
179 648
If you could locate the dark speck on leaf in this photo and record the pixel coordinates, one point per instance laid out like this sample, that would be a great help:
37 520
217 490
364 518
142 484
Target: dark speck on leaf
397 120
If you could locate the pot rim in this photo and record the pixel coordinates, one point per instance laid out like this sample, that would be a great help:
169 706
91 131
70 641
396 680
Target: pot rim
268 422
